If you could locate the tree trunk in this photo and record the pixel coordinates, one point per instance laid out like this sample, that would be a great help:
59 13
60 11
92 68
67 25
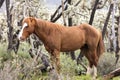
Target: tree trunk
72 53
106 21
119 27
119 32
93 12
113 37
9 21
1 3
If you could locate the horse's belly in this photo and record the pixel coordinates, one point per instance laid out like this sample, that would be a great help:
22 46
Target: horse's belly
68 49
71 46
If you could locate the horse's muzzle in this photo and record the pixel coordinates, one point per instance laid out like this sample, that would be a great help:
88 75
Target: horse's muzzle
21 38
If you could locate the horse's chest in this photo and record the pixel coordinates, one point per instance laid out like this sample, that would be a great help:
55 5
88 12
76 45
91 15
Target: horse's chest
50 45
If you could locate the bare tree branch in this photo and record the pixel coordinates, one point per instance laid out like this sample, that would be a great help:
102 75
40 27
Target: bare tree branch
59 15
53 18
77 3
1 3
113 26
106 21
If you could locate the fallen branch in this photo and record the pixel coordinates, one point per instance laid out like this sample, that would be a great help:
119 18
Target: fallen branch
112 74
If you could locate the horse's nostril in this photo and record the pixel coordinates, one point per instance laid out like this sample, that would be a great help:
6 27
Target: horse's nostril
21 38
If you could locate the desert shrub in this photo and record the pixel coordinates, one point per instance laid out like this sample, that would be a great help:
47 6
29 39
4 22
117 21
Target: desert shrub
69 67
4 56
23 50
17 66
82 77
107 63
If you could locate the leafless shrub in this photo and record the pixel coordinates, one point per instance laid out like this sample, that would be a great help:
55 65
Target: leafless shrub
107 63
19 69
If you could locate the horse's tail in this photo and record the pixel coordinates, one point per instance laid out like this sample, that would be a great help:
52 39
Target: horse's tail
100 47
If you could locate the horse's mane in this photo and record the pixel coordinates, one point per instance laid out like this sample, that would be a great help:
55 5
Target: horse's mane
50 26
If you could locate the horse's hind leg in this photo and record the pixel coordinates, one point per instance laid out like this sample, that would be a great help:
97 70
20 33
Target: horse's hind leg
94 71
95 63
82 53
80 56
93 60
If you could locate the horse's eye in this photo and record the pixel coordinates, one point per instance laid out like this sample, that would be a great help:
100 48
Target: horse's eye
26 27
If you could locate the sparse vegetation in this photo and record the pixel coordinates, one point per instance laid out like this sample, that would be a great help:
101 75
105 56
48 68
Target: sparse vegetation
21 67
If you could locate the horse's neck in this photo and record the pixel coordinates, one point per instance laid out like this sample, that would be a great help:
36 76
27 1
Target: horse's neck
42 30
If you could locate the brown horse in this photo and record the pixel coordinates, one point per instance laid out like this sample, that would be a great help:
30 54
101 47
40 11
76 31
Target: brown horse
58 38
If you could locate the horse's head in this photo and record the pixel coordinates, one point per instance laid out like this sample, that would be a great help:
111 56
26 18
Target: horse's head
28 26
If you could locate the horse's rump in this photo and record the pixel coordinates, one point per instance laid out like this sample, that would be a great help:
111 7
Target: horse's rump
94 46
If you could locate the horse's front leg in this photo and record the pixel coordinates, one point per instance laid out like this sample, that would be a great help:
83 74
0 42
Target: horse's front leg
55 57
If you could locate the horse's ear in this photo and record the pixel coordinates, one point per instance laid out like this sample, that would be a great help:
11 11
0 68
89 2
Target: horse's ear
32 19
